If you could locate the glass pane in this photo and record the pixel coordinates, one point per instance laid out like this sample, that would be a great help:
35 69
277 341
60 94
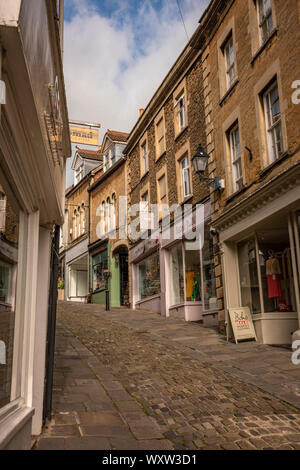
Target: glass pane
82 289
176 275
249 276
100 263
148 277
276 270
193 275
209 279
9 233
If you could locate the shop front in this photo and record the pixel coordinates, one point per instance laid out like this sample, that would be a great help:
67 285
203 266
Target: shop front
76 276
189 275
99 262
175 278
261 261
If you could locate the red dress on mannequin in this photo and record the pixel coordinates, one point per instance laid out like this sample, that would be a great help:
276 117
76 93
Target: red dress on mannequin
273 272
274 288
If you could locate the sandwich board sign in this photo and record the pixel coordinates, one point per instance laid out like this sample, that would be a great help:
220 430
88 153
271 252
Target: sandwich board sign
242 323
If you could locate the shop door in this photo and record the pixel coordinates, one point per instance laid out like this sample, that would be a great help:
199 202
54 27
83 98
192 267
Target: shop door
124 287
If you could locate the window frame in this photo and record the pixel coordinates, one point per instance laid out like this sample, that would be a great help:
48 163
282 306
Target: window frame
270 127
235 162
178 94
144 156
183 171
264 18
160 118
229 66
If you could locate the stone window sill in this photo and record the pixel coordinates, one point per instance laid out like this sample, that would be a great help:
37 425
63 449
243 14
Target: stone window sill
236 194
279 160
160 156
263 46
229 92
13 421
181 132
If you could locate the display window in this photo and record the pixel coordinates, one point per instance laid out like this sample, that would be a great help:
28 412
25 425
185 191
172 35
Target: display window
266 271
209 278
9 228
176 275
148 277
249 282
99 265
192 275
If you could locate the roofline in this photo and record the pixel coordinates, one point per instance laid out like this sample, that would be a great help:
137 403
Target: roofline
107 173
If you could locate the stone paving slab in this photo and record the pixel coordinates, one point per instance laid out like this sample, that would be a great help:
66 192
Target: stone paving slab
133 380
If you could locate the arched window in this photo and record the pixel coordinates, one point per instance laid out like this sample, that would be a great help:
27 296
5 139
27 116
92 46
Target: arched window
103 218
108 215
75 224
79 221
83 217
114 212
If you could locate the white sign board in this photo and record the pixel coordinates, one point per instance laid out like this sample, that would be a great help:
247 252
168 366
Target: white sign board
242 324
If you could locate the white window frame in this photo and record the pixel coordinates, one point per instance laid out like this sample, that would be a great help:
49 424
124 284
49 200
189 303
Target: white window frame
236 158
144 157
185 169
263 15
271 125
180 112
230 66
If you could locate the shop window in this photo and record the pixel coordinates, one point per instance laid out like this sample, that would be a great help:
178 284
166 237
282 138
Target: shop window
276 271
249 276
209 278
78 283
176 275
273 126
229 58
265 19
148 277
9 233
193 275
99 264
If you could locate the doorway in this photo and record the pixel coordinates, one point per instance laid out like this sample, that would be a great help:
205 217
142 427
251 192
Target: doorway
124 284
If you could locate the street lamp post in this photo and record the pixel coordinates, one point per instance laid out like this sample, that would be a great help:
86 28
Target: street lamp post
106 277
200 162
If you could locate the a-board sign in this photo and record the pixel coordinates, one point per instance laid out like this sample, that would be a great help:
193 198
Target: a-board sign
242 323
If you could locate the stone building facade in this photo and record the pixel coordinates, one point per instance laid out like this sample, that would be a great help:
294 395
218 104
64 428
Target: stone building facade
250 62
74 264
160 148
107 249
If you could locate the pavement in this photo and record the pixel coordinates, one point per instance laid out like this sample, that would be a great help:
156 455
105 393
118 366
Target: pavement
129 380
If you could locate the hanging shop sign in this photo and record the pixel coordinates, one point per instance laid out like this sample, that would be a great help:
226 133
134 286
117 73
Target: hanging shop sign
81 135
242 324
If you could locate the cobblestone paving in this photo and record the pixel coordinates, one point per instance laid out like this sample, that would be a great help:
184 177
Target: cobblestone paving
133 380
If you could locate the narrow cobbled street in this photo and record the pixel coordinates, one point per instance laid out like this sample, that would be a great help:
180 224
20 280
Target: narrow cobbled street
133 380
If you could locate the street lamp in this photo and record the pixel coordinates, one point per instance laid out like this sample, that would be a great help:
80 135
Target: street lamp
200 162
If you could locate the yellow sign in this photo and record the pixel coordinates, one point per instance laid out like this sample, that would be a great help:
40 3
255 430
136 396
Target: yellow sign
81 135
242 324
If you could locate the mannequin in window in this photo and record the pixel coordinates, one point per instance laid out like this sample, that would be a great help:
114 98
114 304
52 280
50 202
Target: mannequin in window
196 296
273 272
190 275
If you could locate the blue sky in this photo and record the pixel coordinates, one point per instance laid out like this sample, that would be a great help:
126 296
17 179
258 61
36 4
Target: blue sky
117 52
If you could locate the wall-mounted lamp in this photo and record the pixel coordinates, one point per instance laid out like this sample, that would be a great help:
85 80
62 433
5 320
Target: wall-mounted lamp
200 162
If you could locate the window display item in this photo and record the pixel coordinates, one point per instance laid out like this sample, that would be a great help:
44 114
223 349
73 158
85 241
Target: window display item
196 295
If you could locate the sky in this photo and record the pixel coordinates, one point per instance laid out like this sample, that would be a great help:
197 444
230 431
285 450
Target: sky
117 52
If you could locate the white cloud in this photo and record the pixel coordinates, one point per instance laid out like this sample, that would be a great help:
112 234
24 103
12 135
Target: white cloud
114 65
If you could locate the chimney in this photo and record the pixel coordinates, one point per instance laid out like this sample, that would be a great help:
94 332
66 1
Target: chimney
141 111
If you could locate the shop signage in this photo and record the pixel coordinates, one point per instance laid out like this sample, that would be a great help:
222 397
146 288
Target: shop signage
80 135
242 324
